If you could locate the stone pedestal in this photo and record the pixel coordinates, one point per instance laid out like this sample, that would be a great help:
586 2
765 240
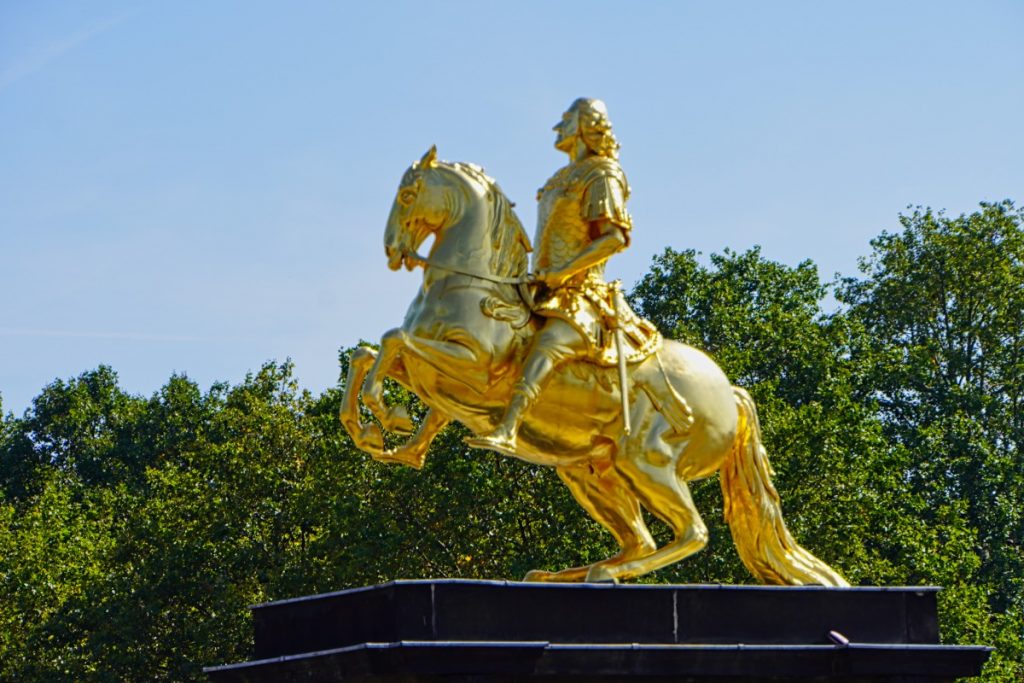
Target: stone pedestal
457 631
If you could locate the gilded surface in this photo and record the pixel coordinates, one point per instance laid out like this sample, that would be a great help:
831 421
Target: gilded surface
551 365
582 192
579 195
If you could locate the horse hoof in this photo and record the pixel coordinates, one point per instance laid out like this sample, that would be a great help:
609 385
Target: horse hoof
493 443
396 457
599 574
398 421
370 439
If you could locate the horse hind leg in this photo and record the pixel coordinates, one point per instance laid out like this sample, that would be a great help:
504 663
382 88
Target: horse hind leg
653 480
608 500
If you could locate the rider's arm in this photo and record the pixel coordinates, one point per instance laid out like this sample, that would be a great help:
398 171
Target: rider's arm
604 209
611 239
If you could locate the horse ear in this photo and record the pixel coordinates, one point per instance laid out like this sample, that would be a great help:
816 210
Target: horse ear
429 159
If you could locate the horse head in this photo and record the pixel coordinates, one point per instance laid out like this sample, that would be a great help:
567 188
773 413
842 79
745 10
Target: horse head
437 197
422 207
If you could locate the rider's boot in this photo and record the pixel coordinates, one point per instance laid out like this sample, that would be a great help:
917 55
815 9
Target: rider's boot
557 343
504 438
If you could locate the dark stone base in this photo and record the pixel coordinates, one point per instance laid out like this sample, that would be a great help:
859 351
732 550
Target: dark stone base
498 632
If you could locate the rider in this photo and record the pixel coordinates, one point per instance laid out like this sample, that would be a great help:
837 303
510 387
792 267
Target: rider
581 222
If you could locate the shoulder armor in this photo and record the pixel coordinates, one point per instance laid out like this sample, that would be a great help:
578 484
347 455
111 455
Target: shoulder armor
598 167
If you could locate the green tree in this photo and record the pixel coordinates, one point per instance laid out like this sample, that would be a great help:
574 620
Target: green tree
84 426
942 306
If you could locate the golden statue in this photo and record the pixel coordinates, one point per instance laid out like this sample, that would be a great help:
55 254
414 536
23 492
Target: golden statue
551 366
581 222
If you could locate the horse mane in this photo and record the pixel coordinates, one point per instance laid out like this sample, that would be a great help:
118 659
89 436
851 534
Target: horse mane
510 257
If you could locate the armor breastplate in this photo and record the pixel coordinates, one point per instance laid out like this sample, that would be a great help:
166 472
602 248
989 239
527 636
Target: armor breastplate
576 192
562 232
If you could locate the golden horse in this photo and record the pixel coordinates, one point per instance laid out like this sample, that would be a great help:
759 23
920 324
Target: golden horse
460 350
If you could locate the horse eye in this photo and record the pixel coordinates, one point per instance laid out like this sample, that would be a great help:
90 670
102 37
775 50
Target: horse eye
407 197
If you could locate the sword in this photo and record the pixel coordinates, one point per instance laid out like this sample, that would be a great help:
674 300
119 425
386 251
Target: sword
620 348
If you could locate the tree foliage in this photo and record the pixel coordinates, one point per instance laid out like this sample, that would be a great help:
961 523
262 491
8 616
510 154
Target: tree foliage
135 532
942 309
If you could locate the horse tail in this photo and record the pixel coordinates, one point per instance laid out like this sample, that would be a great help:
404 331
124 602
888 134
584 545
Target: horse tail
754 513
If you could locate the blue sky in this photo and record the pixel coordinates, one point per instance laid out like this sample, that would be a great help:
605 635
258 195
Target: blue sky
199 187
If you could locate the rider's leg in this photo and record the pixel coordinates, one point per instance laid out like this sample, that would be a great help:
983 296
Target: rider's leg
556 343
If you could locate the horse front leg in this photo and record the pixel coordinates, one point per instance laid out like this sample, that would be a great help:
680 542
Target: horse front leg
414 451
393 418
367 437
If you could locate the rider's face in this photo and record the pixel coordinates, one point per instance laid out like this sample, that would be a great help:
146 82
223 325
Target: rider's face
567 130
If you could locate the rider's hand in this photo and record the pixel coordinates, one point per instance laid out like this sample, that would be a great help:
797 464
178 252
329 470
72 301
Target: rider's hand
552 278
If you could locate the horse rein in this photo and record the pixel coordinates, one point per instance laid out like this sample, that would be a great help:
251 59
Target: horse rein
458 271
522 284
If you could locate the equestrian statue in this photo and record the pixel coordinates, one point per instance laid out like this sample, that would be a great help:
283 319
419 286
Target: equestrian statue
549 363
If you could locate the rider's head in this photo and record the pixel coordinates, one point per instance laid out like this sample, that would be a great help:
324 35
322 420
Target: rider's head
587 121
